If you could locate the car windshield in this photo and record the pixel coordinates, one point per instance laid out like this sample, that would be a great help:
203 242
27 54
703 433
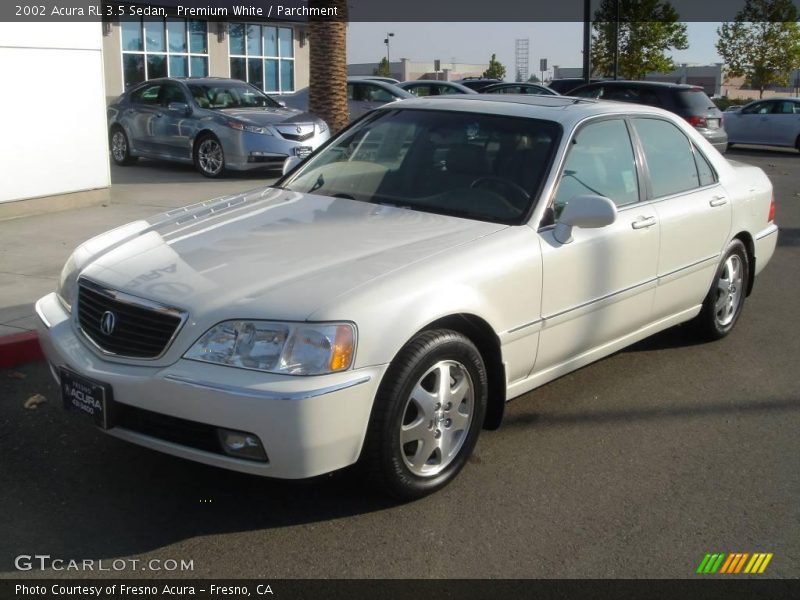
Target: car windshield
230 95
486 167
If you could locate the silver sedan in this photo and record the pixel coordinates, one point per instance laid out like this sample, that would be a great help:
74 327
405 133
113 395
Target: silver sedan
217 124
773 122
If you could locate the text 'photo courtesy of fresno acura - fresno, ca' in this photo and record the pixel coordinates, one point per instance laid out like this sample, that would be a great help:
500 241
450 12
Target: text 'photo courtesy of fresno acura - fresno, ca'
382 301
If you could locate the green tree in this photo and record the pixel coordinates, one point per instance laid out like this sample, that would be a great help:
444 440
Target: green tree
647 30
533 79
383 69
496 70
762 44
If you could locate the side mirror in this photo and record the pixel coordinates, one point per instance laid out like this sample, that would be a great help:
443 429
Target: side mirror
588 212
180 107
282 103
290 163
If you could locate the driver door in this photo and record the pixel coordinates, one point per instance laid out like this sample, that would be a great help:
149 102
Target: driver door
601 285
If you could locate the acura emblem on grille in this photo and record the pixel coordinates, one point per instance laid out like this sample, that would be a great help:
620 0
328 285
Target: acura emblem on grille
107 322
299 130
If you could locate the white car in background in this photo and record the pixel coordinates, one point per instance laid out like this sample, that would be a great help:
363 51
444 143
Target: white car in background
383 300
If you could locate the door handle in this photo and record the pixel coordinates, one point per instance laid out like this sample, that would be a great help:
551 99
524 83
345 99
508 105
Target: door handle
718 201
644 223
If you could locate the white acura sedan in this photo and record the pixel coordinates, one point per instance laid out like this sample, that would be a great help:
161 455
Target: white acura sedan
388 295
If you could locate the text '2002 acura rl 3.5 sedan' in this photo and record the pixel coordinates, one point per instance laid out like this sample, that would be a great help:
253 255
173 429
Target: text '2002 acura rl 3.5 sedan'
384 299
219 125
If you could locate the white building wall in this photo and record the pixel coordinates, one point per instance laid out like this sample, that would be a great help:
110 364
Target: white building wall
52 110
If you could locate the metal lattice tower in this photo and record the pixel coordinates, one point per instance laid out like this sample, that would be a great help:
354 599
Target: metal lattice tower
521 56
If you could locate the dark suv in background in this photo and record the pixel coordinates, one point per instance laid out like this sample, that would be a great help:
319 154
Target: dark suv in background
566 84
688 101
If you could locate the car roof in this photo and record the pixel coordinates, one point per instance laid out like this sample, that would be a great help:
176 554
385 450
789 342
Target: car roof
564 109
652 84
428 81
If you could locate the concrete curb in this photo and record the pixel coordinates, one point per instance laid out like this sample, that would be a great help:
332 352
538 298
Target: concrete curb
19 348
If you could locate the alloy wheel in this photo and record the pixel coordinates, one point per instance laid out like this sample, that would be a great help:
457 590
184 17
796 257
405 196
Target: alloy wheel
437 418
729 290
209 156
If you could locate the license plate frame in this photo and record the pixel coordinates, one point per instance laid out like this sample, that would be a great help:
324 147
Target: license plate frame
81 394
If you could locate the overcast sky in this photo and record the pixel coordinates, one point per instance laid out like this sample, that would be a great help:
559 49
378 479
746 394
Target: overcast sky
560 43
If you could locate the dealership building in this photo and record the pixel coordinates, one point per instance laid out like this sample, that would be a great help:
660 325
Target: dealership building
59 155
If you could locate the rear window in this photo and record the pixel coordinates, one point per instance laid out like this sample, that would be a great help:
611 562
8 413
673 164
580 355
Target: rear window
696 99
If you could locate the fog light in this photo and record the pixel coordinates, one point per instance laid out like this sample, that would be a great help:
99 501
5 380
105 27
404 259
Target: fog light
242 445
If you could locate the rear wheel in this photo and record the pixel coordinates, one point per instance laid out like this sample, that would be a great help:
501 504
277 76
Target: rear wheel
209 157
120 148
427 415
725 299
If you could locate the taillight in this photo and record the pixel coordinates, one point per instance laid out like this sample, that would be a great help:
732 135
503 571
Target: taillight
697 121
771 216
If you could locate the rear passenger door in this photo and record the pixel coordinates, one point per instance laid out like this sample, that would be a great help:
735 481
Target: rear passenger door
600 286
693 210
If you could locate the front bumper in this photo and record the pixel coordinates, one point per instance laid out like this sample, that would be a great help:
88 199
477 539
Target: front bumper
308 425
247 150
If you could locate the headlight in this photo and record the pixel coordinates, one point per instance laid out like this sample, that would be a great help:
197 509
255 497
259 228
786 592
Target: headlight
288 348
67 283
250 128
323 126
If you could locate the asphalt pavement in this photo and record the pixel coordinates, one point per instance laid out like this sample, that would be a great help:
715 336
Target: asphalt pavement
636 466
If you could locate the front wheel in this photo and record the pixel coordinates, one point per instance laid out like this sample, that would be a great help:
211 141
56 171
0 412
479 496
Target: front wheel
427 416
209 157
723 304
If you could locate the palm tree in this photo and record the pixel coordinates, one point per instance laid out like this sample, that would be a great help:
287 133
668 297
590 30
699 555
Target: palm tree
328 69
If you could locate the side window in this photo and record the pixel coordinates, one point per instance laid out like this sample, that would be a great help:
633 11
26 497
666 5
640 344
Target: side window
594 92
351 91
601 162
787 107
669 156
759 108
421 90
171 92
704 170
620 93
374 93
147 94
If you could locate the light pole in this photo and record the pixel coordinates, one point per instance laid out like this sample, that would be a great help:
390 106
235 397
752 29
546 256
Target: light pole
386 41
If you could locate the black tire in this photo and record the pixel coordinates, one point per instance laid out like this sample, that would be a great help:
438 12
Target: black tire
725 300
387 459
209 156
120 147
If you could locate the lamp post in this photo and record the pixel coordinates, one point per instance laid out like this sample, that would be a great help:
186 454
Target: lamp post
386 41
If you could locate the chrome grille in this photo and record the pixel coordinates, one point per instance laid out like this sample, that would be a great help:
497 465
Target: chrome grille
296 133
141 328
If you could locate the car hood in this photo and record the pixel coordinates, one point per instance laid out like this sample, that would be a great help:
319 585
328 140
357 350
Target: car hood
269 116
268 253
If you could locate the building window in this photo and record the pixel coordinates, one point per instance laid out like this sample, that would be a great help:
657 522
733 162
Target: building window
262 55
172 48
